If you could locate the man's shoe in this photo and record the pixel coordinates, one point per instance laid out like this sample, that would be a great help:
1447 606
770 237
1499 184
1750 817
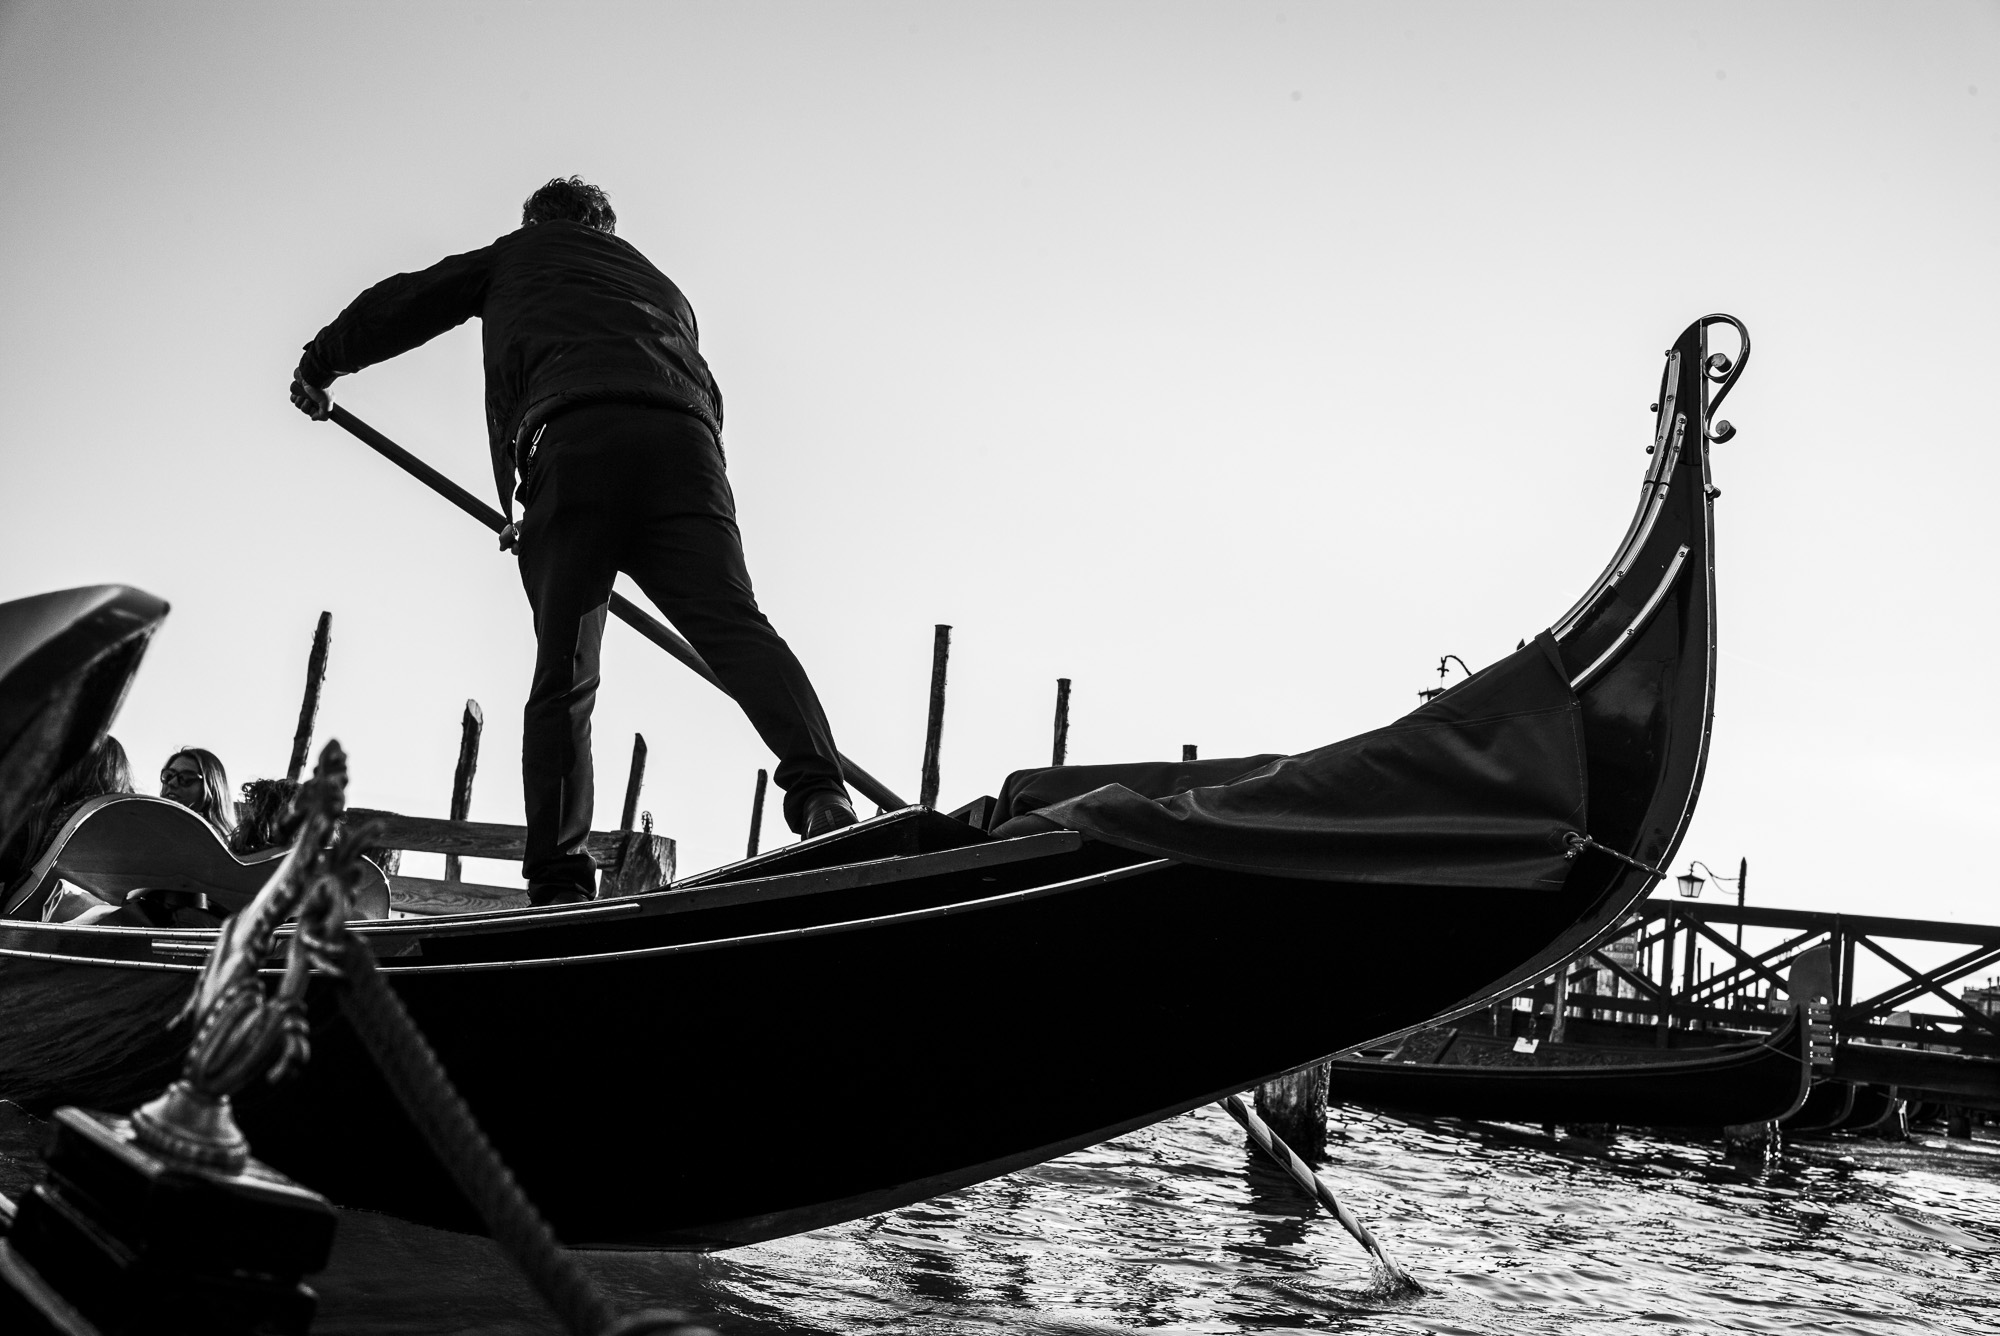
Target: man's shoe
557 893
827 813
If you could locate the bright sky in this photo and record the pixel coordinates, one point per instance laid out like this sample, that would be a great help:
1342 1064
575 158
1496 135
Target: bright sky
1236 361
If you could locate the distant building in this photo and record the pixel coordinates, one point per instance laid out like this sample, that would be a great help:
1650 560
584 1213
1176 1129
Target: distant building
1622 951
1985 1001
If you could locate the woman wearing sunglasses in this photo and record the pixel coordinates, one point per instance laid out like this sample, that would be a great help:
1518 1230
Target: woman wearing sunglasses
194 778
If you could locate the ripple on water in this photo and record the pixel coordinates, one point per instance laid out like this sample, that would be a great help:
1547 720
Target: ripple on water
1181 1227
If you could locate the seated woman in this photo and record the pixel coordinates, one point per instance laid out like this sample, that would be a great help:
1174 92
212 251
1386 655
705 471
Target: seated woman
103 770
194 778
125 860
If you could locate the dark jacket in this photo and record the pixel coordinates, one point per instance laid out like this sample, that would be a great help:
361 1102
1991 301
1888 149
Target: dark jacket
571 315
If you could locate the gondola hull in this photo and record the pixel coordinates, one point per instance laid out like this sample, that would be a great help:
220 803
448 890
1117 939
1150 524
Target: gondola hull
1825 1110
709 1096
1877 1111
1755 1081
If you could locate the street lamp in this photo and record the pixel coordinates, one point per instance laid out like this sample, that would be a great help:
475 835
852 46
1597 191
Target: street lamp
1429 694
1691 882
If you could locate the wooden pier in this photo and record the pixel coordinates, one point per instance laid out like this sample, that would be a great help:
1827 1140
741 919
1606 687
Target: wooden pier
1914 1034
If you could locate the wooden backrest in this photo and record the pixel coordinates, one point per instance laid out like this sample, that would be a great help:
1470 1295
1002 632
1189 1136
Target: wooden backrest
125 844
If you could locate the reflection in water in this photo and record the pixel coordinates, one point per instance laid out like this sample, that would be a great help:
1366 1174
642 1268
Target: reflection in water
1182 1227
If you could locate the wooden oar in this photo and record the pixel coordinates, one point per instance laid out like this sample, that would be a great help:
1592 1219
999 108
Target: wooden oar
1302 1174
623 608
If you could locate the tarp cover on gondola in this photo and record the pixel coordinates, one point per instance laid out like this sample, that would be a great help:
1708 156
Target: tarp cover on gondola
1477 789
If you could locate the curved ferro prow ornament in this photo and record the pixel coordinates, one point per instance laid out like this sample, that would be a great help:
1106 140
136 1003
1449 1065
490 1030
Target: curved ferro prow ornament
242 1031
1655 711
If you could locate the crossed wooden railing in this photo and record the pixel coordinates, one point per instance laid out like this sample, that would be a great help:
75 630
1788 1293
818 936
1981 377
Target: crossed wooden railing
1674 990
1682 971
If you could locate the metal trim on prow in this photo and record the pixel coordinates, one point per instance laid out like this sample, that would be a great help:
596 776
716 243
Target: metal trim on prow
1638 623
1652 492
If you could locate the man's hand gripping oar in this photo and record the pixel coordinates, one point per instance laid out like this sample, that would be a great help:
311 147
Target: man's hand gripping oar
317 404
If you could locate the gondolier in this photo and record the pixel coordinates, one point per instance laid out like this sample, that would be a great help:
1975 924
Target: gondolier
599 401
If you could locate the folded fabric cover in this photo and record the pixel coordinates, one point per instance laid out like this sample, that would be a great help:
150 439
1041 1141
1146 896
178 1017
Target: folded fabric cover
1476 789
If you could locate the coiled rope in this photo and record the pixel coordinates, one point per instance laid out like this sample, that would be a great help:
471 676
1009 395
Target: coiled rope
421 1086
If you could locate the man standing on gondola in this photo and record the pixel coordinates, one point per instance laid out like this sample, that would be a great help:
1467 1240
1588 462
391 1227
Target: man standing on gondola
598 398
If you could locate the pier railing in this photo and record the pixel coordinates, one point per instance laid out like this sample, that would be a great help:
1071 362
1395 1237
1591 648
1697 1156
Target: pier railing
1659 958
1679 967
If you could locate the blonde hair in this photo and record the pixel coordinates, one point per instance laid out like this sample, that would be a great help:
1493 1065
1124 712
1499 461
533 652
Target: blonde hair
216 805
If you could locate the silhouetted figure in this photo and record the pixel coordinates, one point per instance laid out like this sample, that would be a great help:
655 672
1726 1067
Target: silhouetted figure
597 395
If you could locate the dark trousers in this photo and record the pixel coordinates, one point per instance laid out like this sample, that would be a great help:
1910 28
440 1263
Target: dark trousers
612 488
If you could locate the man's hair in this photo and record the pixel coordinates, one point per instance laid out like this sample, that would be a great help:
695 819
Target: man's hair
570 199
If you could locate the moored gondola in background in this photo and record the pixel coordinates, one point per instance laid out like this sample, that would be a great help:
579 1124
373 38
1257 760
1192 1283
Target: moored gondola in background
1754 1080
1879 1111
1837 1107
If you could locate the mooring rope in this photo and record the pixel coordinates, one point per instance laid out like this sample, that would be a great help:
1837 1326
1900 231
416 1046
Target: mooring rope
1576 842
1302 1174
426 1093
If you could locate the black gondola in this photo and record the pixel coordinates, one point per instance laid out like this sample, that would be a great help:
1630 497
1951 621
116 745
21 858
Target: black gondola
909 1006
1825 1110
1878 1111
1753 1081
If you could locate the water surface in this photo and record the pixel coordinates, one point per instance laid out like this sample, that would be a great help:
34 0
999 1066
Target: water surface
1181 1227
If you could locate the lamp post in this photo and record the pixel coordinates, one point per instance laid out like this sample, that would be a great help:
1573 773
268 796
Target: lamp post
1429 694
1691 883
